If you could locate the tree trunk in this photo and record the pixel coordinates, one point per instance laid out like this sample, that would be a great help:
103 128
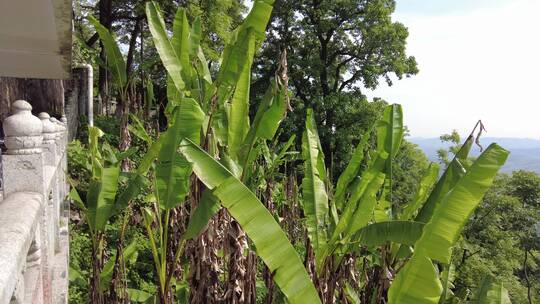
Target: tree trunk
132 44
105 18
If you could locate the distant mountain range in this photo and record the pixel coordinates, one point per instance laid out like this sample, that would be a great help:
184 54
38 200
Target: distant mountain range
524 152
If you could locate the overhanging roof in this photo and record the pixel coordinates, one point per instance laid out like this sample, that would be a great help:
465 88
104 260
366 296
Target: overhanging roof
35 38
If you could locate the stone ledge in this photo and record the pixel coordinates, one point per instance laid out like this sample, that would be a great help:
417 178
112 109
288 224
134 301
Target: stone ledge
61 268
19 217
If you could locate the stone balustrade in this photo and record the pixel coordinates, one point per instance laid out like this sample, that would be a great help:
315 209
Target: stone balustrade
34 211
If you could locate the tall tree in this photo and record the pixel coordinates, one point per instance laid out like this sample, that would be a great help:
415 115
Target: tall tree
335 48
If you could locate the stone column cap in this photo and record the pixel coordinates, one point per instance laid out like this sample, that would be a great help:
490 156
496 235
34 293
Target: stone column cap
23 131
49 129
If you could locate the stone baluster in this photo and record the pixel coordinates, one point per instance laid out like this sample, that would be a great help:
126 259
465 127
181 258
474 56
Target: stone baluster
51 159
61 144
49 139
65 183
24 171
23 162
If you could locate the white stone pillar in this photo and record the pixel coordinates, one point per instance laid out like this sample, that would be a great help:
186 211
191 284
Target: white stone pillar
24 170
52 159
49 140
23 161
65 184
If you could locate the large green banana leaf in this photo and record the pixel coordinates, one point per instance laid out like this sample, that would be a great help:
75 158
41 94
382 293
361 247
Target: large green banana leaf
135 185
195 38
390 130
424 188
389 137
151 154
201 79
370 178
164 46
270 241
491 292
350 172
172 170
314 190
234 55
456 207
447 277
366 205
94 134
137 128
100 198
181 42
208 206
258 18
418 281
272 113
269 114
116 63
140 296
196 52
454 171
401 232
239 110
233 62
448 180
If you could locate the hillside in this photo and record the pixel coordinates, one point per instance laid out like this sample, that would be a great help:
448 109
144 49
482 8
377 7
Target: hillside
525 152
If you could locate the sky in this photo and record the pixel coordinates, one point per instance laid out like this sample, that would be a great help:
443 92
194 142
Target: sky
478 59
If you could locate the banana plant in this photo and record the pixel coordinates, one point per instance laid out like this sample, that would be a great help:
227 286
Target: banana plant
229 134
443 229
270 241
360 220
117 66
334 225
492 292
100 205
172 173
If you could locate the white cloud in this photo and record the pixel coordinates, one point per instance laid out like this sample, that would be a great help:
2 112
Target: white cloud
475 64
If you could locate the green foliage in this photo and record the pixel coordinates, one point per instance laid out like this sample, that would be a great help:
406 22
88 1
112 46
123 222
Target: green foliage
501 239
443 229
115 60
314 192
401 232
172 170
491 292
271 243
80 263
409 168
79 165
359 212
447 209
335 48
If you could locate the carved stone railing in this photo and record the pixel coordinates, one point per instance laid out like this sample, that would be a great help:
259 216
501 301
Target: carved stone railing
33 212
